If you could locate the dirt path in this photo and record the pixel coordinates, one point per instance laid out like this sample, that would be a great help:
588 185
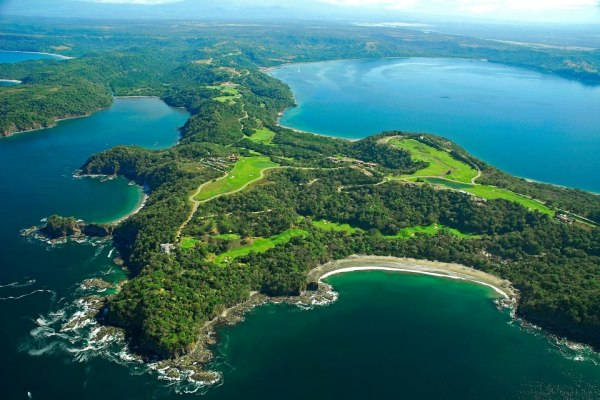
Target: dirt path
196 203
476 177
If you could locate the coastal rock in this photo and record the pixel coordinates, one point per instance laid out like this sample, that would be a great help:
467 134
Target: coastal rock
58 229
96 284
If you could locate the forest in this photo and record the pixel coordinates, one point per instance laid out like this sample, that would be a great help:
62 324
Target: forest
267 236
172 60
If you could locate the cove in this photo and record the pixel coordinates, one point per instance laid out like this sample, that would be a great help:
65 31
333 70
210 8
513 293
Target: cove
36 180
18 56
526 123
396 335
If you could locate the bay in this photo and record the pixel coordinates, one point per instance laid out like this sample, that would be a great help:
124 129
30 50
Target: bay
529 124
388 335
36 180
395 335
18 56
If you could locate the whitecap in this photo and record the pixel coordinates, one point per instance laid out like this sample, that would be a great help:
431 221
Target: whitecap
19 284
28 294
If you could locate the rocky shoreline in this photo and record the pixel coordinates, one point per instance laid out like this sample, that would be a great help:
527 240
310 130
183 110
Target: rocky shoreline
193 366
59 230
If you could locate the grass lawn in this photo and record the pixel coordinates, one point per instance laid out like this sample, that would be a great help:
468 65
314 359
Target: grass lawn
335 227
430 230
492 192
259 245
229 93
263 136
227 236
245 171
441 163
187 242
405 233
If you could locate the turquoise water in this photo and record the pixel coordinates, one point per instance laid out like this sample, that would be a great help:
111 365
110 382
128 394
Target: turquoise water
18 56
388 335
529 124
8 83
37 180
393 335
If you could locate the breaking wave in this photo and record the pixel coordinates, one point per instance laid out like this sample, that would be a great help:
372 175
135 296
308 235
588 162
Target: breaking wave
18 284
52 292
74 330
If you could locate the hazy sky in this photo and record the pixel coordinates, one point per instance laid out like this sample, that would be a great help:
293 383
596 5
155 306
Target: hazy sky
564 11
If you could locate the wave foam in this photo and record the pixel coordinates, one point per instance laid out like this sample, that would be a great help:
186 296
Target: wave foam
18 284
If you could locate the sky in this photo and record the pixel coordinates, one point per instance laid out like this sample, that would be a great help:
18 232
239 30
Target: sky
558 11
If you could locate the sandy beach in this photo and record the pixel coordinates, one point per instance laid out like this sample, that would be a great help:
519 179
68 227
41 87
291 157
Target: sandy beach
409 265
60 56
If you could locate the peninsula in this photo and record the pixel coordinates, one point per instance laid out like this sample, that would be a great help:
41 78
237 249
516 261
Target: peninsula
242 207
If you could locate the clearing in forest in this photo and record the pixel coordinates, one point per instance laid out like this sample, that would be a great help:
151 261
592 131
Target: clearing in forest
430 230
329 226
260 245
446 171
247 170
263 136
228 93
441 163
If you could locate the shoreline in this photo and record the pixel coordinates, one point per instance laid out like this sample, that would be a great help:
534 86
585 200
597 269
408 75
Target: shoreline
279 125
55 122
268 70
136 97
354 263
60 56
141 204
198 359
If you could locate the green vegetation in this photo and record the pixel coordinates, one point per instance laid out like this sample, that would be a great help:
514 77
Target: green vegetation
404 233
57 226
446 168
27 106
492 192
440 162
263 136
169 297
187 242
244 172
259 245
228 93
227 236
430 230
328 226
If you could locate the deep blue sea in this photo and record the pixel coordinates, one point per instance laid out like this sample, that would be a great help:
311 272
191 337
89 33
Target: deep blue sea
526 123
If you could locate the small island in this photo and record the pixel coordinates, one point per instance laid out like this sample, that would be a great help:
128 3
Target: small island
58 229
